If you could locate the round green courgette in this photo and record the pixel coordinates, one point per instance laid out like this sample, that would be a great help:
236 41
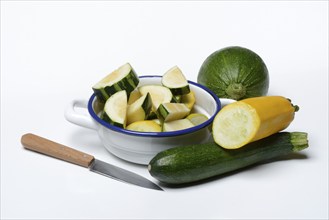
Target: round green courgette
235 73
192 163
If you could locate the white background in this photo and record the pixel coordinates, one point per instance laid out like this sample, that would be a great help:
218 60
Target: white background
53 52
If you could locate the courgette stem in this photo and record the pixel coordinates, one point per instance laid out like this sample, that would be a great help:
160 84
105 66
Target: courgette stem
296 107
298 140
236 91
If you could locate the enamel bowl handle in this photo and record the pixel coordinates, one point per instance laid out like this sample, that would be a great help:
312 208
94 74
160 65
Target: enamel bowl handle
225 101
81 118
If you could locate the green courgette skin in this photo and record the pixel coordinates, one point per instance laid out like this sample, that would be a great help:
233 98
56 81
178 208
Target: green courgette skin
235 72
197 162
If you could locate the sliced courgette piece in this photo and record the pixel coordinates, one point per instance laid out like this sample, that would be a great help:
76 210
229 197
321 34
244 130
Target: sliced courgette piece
157 121
176 99
115 109
144 126
175 80
98 106
152 115
159 94
197 118
140 109
123 78
172 111
177 125
188 99
133 96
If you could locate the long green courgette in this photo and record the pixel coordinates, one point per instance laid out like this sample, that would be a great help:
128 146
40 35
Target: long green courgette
192 163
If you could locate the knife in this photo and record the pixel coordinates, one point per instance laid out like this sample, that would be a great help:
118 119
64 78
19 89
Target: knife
59 151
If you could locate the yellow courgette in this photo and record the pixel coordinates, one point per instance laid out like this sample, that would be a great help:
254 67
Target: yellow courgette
251 119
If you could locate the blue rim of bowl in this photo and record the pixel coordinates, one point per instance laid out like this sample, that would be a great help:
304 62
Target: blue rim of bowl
157 134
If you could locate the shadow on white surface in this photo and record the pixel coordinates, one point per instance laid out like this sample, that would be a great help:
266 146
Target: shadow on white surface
87 140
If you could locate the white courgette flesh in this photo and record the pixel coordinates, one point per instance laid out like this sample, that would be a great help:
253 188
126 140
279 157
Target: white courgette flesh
147 108
175 81
140 109
133 96
197 118
115 109
172 111
177 125
123 78
159 94
236 125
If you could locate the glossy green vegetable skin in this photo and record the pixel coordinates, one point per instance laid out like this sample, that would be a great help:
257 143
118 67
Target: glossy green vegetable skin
192 163
235 72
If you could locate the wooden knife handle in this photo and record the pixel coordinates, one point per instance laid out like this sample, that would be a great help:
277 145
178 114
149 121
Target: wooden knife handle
50 148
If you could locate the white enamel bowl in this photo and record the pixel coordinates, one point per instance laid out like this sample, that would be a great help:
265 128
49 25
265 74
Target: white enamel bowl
141 147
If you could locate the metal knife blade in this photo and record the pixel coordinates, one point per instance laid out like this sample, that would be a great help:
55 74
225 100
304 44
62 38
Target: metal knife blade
120 174
59 151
